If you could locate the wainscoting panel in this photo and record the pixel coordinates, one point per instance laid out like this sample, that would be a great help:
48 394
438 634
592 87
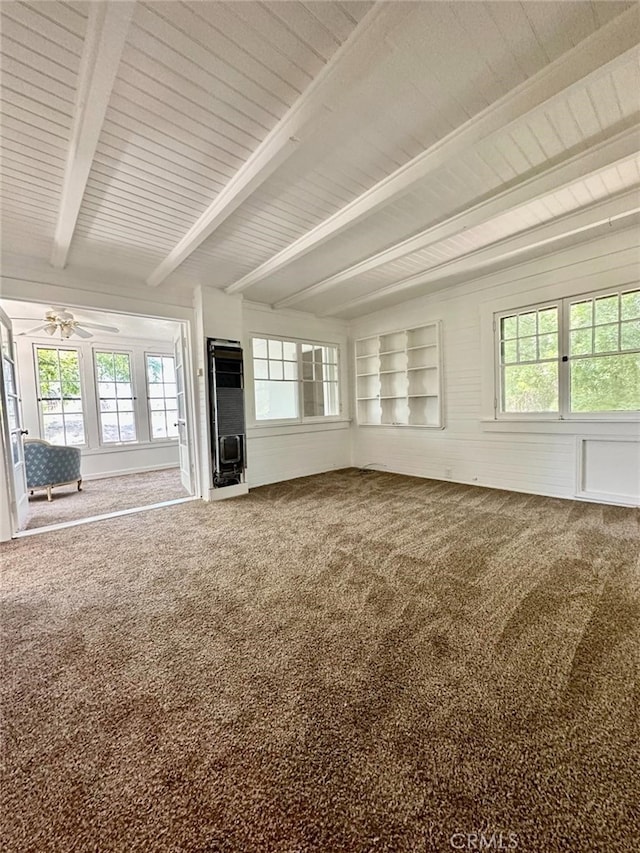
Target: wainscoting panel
609 469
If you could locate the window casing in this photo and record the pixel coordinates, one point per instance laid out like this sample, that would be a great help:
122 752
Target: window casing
571 358
161 396
114 387
60 400
295 381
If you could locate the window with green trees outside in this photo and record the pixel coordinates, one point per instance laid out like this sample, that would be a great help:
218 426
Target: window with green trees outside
60 395
574 357
115 397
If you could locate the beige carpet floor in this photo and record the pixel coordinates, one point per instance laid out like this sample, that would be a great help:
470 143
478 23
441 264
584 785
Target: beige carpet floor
99 497
349 662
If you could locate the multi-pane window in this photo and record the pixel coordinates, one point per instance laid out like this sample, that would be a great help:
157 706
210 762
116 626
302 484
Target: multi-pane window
60 395
275 379
319 380
294 380
604 353
529 360
115 397
574 357
161 396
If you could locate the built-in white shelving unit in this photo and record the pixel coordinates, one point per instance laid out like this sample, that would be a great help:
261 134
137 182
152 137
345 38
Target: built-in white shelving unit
399 378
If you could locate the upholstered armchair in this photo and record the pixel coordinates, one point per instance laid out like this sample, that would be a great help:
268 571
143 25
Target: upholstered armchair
50 465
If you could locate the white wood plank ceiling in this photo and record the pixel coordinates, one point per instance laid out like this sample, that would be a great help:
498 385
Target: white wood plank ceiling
316 155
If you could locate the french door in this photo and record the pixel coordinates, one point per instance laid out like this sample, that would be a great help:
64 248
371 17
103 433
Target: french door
12 431
186 463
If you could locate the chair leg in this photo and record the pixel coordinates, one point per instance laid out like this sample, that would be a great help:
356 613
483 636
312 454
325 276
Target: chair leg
80 484
49 495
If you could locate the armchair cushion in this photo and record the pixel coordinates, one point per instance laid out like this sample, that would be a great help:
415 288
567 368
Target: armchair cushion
51 464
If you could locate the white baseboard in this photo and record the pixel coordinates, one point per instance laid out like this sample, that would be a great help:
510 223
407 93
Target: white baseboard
613 499
296 474
225 492
121 472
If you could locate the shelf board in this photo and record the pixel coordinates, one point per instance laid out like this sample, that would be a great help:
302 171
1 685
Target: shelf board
391 351
413 396
424 367
359 375
370 355
394 397
400 370
422 346
359 399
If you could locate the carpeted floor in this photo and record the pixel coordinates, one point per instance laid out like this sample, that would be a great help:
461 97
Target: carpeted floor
99 497
349 662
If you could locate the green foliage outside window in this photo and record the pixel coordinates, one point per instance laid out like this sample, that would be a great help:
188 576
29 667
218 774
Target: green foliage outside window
113 367
60 395
59 373
115 397
603 350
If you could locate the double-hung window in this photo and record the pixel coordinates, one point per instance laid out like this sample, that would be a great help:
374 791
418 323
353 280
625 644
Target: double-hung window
295 380
572 357
60 395
161 396
115 397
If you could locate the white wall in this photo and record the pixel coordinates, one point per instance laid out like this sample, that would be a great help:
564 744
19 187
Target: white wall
218 315
278 453
274 452
542 458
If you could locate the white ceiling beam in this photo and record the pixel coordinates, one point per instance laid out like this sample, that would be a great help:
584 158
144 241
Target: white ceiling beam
351 63
107 28
591 57
617 147
621 206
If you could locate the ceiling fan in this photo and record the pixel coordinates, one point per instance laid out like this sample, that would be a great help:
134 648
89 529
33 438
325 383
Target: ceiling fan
59 319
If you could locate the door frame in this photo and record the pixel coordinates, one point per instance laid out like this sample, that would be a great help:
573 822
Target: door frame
10 522
186 317
182 344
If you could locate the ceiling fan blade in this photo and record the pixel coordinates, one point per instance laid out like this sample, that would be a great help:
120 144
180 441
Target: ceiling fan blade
100 326
78 330
31 331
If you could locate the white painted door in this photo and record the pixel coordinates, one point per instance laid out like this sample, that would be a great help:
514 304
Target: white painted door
186 469
12 431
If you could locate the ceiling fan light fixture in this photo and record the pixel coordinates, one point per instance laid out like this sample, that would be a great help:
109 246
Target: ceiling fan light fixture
50 328
66 330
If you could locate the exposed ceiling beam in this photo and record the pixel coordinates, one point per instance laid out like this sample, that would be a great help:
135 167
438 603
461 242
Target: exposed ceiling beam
618 207
107 29
350 63
591 57
617 147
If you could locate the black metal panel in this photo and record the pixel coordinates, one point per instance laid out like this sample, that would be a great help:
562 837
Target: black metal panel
226 397
230 411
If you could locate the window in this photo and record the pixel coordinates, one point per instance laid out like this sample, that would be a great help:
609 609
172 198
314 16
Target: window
319 380
295 380
161 396
115 397
577 356
60 395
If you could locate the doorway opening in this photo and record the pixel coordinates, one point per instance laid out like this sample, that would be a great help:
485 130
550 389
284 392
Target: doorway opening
98 414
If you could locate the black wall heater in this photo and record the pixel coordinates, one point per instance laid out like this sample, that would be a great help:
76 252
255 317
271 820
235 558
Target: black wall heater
226 412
